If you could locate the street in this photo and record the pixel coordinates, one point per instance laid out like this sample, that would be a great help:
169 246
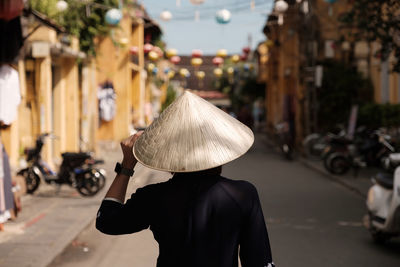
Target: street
311 220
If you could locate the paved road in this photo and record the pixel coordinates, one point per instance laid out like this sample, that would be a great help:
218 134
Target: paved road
311 221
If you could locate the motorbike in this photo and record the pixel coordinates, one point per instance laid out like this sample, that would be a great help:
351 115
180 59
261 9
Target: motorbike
77 170
383 203
367 151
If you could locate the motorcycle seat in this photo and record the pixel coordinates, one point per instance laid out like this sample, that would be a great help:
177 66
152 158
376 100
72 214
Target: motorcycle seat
72 155
385 179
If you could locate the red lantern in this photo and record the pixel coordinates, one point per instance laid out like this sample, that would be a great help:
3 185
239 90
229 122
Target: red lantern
10 9
175 59
134 50
246 50
147 48
218 61
197 53
243 57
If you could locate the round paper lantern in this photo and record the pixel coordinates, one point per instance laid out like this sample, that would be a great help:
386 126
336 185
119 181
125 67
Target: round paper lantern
155 71
147 48
200 75
197 53
150 67
243 57
166 15
158 50
184 73
246 50
175 59
222 53
235 58
113 16
223 16
246 67
281 6
269 43
330 1
134 50
153 55
230 70
61 6
167 70
123 41
218 72
171 52
197 2
171 74
196 61
217 61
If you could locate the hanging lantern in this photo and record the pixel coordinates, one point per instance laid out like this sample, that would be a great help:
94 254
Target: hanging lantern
158 50
171 52
155 71
166 15
200 75
246 67
280 7
230 70
222 53
246 50
134 50
235 58
223 16
113 16
147 48
269 43
153 55
243 57
218 72
10 9
197 2
218 61
167 70
196 61
197 53
123 41
175 59
61 6
171 74
184 73
150 67
330 1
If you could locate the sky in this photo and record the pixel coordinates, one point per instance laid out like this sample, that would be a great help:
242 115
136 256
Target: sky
183 33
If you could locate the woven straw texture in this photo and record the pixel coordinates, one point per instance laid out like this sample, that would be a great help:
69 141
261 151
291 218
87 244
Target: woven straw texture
192 135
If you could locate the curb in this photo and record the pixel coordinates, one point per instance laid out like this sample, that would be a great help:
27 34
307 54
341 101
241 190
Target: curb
333 178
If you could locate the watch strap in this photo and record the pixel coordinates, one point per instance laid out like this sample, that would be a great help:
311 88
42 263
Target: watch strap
119 169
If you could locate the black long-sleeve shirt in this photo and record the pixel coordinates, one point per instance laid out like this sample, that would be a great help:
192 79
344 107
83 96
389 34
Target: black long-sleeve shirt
198 221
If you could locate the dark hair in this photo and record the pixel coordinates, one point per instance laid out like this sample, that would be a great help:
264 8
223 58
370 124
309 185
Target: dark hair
208 172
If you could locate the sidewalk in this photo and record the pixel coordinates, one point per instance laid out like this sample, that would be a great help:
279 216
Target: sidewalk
49 221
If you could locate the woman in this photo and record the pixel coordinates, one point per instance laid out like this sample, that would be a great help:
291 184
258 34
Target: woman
198 217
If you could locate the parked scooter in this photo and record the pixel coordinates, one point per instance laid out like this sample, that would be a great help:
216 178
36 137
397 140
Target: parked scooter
77 170
383 203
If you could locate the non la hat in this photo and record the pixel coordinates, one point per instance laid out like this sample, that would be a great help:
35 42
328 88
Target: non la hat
192 135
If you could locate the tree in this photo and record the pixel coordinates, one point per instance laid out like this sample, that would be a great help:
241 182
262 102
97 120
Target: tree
377 20
83 19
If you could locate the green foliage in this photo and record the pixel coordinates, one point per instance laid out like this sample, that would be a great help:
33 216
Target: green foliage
85 22
342 87
379 115
377 20
171 95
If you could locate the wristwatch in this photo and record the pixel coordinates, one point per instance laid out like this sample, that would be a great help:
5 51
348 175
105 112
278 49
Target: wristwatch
121 170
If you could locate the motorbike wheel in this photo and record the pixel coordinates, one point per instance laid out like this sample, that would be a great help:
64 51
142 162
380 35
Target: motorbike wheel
90 183
327 161
339 165
32 180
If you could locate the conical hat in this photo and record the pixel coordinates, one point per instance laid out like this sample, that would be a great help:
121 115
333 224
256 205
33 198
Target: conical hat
192 135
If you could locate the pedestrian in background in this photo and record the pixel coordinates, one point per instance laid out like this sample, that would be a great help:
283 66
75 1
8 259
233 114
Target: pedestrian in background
198 217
